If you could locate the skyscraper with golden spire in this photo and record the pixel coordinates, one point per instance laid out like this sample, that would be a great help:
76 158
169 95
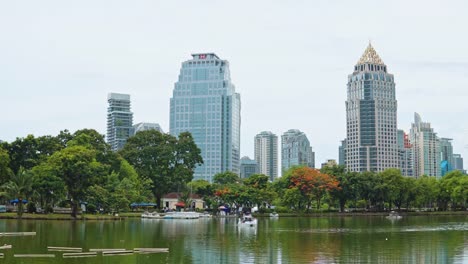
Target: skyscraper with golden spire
371 116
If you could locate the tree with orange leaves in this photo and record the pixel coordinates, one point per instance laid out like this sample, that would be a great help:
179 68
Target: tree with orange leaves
312 184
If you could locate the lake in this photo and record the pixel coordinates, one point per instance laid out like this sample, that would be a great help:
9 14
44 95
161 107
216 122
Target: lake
415 239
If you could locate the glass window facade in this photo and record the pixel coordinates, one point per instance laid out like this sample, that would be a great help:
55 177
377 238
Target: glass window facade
205 103
371 116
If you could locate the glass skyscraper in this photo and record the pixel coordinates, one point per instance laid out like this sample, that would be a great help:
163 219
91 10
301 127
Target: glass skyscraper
371 116
119 120
204 102
446 156
296 150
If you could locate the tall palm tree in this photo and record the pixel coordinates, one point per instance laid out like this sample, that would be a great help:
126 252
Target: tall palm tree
19 186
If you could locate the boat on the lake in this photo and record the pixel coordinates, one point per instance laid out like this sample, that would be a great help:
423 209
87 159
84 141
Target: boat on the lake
152 215
247 220
181 215
394 215
274 215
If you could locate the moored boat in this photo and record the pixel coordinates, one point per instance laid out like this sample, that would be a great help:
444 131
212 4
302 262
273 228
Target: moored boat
152 215
181 215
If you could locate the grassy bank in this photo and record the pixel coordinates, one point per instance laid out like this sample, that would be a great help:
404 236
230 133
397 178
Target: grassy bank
27 216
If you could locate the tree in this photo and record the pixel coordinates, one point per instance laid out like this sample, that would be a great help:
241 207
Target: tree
47 184
19 187
5 171
391 187
312 184
165 160
227 177
78 168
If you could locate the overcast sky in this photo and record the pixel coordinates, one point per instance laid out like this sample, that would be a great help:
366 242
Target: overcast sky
289 61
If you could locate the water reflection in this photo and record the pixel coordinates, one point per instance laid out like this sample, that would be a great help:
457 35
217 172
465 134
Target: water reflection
442 239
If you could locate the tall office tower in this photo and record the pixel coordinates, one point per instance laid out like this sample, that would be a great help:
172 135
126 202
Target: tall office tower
371 116
147 126
426 149
405 153
342 153
205 103
458 163
266 154
248 167
446 156
296 150
119 120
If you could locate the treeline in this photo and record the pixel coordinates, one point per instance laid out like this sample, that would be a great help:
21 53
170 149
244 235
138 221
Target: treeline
303 189
70 169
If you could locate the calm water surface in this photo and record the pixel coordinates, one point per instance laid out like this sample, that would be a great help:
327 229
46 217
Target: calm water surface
417 239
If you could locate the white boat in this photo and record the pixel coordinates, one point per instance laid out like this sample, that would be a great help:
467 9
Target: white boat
152 215
274 215
393 216
181 215
248 220
205 215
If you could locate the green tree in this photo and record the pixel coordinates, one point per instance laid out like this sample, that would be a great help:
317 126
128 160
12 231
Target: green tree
49 187
78 168
165 160
19 187
227 177
5 171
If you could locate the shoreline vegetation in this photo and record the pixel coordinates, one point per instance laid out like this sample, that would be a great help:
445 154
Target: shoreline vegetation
123 216
79 170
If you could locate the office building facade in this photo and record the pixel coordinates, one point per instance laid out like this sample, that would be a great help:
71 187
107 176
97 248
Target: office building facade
119 120
248 167
446 156
405 153
371 116
266 154
296 150
458 163
205 103
426 149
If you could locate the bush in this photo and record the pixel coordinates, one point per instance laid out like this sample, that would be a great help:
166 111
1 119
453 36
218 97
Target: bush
31 208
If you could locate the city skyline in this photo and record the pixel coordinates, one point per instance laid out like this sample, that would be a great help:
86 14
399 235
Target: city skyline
51 62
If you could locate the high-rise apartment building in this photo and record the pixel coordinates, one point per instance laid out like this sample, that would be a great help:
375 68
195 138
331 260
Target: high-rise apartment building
147 126
205 103
405 153
371 116
446 156
296 150
119 120
426 148
266 154
248 167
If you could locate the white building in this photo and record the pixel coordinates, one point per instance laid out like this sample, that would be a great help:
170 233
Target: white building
266 154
